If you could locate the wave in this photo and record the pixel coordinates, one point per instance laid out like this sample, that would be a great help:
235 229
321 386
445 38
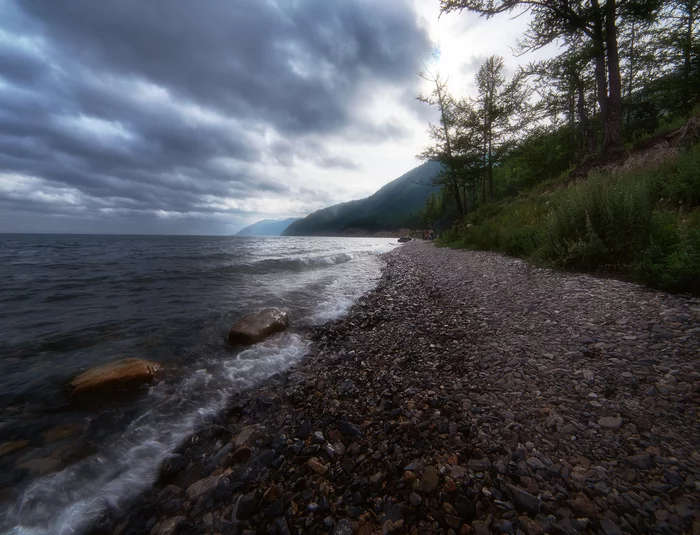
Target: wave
274 265
69 501
299 263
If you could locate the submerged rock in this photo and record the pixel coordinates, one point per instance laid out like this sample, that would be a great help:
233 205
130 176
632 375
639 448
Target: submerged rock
10 447
113 378
256 327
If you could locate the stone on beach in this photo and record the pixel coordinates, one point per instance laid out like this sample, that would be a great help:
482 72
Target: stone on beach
259 326
113 378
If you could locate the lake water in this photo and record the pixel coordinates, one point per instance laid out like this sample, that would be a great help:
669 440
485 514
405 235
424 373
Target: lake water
68 303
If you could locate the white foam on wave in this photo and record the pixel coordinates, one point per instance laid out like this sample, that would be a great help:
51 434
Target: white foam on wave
67 502
346 288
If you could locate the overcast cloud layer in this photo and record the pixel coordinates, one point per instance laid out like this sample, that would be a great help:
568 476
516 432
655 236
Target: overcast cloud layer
181 116
175 116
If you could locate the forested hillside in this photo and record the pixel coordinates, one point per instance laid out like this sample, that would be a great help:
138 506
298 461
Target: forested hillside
586 160
397 205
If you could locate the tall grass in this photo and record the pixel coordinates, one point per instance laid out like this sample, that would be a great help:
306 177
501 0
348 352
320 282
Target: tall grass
601 223
642 225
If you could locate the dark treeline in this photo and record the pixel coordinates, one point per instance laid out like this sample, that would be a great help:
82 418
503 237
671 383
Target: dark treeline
626 71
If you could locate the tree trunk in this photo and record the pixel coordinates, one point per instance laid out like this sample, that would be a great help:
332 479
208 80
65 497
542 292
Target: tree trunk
458 198
687 49
483 176
587 140
465 204
612 139
490 170
633 63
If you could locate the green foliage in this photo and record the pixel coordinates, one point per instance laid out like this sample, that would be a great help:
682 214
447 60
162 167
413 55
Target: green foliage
672 260
683 186
640 225
601 223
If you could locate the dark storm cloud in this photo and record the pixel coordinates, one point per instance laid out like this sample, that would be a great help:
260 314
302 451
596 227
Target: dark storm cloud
147 106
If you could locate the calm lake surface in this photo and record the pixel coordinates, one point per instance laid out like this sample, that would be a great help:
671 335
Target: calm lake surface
68 303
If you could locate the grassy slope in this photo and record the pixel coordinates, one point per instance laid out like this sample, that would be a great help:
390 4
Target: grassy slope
639 225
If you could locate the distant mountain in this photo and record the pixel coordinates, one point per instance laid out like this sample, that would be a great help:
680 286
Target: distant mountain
397 205
267 227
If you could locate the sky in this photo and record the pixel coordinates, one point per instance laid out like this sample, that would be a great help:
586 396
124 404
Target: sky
182 117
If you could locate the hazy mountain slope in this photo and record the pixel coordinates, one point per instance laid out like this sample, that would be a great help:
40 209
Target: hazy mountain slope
396 205
267 227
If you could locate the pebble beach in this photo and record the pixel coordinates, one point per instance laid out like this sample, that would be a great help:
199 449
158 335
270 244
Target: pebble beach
468 393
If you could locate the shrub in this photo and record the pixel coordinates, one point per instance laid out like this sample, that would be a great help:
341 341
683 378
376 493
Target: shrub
601 223
682 186
672 260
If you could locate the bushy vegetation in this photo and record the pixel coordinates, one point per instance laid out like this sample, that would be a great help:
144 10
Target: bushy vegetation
531 162
641 225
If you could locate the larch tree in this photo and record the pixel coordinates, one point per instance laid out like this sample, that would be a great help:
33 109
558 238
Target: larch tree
499 106
444 136
587 19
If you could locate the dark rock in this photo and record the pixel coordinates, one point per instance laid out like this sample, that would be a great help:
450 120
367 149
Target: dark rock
256 327
349 429
523 500
246 507
479 465
641 461
304 431
429 481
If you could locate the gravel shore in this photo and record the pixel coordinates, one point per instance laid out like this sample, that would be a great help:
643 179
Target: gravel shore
470 393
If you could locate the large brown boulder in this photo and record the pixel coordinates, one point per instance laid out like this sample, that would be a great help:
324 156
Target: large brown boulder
256 327
113 378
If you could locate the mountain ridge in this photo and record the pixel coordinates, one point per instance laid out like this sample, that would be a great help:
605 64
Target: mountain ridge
394 206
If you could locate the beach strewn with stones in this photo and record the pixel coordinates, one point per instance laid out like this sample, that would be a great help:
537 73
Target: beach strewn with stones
469 393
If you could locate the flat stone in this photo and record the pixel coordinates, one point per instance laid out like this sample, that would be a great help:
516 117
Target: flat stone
583 506
535 463
349 429
243 436
429 481
7 448
114 377
523 500
611 422
642 461
456 472
479 465
317 466
201 487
